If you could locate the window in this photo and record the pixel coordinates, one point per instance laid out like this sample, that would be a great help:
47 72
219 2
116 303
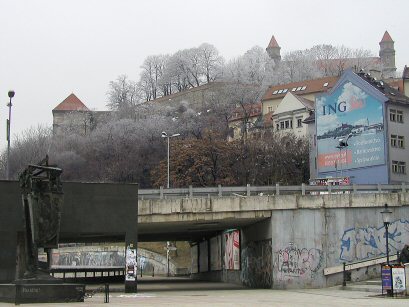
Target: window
299 122
399 167
293 90
394 140
298 88
285 90
401 141
275 92
286 124
392 115
280 91
270 109
303 88
277 126
399 116
325 84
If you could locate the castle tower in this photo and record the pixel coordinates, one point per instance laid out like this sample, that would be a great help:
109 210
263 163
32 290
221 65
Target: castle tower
387 55
273 50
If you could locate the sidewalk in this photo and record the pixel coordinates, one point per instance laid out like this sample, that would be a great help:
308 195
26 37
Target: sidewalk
186 292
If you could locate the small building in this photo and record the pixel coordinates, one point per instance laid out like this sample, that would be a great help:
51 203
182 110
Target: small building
244 121
290 114
307 89
73 116
361 128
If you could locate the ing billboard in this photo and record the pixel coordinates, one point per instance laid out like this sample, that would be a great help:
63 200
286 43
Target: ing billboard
349 113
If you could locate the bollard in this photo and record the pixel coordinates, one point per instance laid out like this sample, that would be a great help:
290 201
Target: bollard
153 271
18 295
141 271
106 300
344 281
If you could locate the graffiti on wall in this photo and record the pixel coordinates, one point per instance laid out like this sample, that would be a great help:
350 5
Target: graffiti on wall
89 258
232 250
360 243
293 262
256 265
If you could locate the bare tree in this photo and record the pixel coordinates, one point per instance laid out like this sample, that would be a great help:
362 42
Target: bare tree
123 94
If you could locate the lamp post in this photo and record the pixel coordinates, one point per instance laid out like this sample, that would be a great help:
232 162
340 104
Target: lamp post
343 143
165 135
386 217
11 95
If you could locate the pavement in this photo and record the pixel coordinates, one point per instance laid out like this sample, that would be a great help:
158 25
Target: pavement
185 292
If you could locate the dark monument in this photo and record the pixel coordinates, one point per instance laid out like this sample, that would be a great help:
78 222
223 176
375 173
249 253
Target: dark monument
42 199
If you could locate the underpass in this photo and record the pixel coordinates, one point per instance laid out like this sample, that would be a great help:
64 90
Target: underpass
272 223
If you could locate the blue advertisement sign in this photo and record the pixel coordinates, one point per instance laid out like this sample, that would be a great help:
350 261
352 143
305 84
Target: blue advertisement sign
386 277
352 118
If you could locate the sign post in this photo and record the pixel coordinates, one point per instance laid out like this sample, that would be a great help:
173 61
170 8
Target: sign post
386 279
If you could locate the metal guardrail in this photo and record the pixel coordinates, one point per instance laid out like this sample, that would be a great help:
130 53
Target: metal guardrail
277 189
88 272
345 268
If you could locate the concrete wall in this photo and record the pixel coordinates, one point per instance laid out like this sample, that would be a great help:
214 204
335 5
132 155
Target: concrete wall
292 249
307 241
107 256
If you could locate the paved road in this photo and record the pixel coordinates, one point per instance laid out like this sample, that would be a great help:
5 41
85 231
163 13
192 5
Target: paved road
182 292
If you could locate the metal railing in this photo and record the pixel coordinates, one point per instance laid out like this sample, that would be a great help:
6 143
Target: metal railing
277 189
345 268
75 272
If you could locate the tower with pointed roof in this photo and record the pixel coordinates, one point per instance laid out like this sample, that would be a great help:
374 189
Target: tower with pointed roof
273 50
387 55
71 115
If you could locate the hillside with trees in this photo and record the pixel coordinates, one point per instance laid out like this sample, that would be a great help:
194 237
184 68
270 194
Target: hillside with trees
128 147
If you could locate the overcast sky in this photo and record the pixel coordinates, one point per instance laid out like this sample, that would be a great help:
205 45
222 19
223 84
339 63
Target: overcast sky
52 48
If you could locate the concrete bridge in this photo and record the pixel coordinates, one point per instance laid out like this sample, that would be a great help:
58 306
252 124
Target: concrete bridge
286 241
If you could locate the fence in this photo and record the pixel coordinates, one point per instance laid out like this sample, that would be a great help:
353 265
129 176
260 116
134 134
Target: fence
277 189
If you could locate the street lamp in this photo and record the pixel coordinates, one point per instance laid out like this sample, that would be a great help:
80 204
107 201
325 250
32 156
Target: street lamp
342 143
165 135
11 95
386 217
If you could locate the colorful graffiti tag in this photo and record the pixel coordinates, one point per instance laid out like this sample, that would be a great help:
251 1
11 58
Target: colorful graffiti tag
360 243
232 250
257 265
298 262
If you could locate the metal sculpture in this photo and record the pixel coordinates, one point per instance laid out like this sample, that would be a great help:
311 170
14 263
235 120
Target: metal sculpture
42 196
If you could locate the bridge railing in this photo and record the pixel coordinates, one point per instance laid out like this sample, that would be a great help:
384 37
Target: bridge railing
346 268
277 189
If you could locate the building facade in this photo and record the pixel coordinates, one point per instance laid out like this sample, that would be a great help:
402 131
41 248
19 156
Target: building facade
73 116
360 132
291 113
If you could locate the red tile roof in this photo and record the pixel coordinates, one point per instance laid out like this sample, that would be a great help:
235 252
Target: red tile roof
397 84
252 110
386 37
273 43
71 103
311 86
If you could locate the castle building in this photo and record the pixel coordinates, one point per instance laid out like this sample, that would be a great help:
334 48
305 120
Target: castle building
387 56
386 59
73 116
273 50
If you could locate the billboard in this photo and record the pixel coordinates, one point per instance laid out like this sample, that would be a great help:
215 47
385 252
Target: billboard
351 115
131 264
